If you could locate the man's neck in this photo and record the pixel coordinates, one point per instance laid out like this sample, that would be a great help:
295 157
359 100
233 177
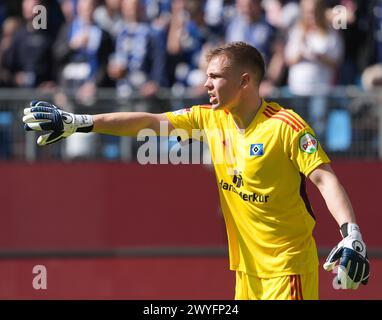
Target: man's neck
245 113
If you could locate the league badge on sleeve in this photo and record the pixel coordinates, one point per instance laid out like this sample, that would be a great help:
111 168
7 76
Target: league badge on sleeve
256 149
308 143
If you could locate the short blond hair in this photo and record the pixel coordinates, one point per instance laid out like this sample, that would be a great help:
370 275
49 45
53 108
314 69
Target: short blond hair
242 54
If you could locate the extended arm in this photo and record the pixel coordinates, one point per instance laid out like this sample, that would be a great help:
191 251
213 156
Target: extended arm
128 123
334 194
351 250
43 116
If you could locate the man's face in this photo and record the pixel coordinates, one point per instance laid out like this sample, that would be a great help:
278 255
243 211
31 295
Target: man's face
131 10
308 12
250 9
223 83
86 9
27 8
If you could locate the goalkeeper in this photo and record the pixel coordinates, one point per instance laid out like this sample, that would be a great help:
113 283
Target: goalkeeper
262 155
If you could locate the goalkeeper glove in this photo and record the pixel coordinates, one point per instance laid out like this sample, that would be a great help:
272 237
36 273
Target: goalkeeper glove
44 116
351 252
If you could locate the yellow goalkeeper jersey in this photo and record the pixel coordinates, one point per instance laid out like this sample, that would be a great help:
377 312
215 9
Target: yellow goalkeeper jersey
261 179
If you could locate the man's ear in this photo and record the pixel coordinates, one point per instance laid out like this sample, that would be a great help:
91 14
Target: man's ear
245 79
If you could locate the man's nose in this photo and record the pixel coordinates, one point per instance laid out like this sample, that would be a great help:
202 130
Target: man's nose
208 84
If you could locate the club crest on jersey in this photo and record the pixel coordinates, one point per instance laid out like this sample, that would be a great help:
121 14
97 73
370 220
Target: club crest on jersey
256 149
181 111
308 143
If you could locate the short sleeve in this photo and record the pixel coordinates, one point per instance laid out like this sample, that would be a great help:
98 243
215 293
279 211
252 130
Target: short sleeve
306 152
185 120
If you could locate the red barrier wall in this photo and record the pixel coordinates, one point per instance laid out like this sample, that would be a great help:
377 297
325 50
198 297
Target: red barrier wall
108 205
92 205
147 278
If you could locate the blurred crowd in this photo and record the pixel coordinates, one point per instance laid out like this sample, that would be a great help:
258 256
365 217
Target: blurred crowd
143 46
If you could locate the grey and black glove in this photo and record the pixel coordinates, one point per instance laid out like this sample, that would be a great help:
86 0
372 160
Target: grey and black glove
351 252
44 116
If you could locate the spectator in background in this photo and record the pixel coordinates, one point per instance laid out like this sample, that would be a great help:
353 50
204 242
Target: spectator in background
9 28
29 56
139 61
61 47
68 9
138 65
281 14
216 14
158 13
55 17
372 74
188 35
365 115
313 53
108 17
249 25
82 50
354 29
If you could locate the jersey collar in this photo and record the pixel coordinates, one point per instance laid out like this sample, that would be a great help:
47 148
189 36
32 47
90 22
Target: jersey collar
252 124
